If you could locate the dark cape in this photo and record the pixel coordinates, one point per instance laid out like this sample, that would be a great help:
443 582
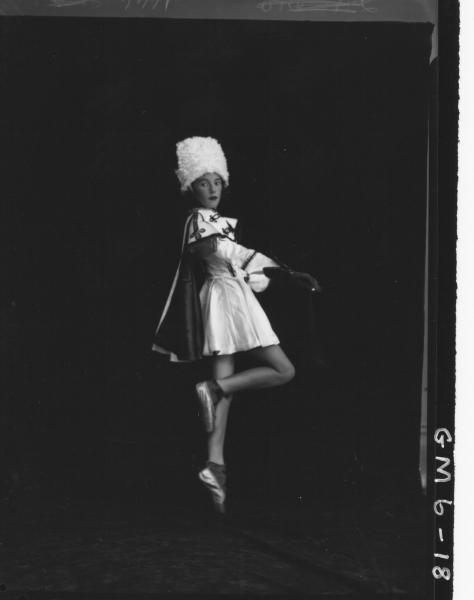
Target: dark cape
180 332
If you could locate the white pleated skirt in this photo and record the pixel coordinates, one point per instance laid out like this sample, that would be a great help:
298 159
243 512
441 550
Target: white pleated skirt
233 318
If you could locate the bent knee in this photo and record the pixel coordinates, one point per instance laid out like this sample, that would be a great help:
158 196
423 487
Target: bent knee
287 373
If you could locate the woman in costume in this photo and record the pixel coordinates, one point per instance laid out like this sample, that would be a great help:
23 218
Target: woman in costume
222 316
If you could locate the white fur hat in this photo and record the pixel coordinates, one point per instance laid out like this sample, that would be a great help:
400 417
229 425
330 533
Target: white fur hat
199 155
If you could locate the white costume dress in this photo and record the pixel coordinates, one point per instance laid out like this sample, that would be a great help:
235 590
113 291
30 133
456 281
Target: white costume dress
233 319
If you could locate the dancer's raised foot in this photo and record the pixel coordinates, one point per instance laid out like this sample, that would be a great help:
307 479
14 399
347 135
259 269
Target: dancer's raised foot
213 476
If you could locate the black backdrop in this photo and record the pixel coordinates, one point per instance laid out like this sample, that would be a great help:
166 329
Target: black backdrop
325 129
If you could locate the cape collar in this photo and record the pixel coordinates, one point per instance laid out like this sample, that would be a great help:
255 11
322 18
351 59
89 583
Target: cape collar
224 225
208 212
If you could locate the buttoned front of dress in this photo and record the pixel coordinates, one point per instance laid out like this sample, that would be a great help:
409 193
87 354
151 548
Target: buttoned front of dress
233 318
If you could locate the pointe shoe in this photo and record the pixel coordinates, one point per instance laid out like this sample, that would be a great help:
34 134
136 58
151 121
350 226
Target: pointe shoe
208 397
213 476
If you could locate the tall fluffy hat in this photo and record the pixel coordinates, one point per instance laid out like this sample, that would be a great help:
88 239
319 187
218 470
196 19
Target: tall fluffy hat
199 155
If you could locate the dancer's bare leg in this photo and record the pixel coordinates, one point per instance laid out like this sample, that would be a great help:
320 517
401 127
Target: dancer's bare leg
222 366
276 370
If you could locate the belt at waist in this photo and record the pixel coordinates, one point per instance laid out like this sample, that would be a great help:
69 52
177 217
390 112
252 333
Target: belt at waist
243 276
231 273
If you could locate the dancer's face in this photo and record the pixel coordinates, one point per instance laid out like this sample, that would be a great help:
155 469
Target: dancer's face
208 190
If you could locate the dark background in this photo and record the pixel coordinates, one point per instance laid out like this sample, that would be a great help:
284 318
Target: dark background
325 130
